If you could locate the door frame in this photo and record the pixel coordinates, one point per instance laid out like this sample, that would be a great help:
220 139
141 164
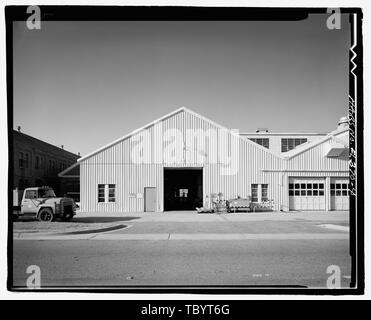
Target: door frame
201 168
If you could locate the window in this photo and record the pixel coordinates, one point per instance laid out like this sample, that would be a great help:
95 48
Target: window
259 192
183 193
26 160
106 193
21 160
111 193
46 193
306 189
101 192
31 194
264 192
262 141
339 189
37 162
288 144
254 192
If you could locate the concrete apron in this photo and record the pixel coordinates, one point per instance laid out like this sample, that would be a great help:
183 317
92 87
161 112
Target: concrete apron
192 216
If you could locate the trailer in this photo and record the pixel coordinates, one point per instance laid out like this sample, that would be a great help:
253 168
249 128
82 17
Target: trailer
238 204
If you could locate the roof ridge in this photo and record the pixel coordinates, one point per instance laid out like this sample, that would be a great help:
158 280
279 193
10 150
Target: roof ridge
176 111
311 144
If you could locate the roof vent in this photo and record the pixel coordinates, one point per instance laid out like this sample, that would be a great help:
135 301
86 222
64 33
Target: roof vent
19 128
62 146
262 130
343 122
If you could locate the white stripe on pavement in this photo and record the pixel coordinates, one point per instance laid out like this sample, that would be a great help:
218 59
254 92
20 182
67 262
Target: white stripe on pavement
335 227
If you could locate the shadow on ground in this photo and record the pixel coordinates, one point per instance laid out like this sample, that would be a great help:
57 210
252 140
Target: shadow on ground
84 219
102 219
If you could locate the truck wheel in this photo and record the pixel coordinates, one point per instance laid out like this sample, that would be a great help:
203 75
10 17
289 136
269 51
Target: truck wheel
46 215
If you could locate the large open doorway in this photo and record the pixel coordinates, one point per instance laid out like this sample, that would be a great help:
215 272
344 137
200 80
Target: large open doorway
182 188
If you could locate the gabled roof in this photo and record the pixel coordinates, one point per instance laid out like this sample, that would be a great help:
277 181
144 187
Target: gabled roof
40 144
309 145
182 109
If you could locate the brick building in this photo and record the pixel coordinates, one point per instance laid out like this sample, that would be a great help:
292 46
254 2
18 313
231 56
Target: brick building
37 163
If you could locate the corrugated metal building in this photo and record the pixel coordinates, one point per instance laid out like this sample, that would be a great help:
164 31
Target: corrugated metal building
180 160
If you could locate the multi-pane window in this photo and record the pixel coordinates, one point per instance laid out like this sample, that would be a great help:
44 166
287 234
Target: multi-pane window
106 192
111 193
264 192
306 189
339 189
254 192
259 192
183 193
288 144
262 141
101 192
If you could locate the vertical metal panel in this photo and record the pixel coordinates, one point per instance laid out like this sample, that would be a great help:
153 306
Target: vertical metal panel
315 159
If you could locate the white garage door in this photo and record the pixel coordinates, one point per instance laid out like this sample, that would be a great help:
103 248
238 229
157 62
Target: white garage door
307 194
339 190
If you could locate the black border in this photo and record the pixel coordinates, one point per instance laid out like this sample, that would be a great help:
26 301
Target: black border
157 13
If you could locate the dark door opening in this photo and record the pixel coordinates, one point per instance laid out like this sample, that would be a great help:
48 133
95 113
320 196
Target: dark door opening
182 189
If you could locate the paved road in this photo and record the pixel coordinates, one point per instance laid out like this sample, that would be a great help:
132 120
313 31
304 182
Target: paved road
181 262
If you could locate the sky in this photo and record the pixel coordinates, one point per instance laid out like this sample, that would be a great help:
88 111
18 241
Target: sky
85 84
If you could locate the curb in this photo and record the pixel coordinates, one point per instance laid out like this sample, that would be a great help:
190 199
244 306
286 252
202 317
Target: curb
81 232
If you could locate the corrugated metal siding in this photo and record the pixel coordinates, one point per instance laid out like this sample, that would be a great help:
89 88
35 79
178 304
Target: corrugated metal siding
114 166
315 159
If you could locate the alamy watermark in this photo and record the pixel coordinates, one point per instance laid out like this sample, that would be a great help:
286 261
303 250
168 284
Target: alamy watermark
34 279
334 280
34 20
334 20
191 146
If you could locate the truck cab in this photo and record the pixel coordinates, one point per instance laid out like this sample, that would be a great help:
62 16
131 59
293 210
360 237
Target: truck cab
43 203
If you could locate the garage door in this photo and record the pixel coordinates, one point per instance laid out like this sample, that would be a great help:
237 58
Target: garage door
339 191
307 194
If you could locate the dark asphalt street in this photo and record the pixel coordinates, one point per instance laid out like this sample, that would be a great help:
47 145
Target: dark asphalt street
126 263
